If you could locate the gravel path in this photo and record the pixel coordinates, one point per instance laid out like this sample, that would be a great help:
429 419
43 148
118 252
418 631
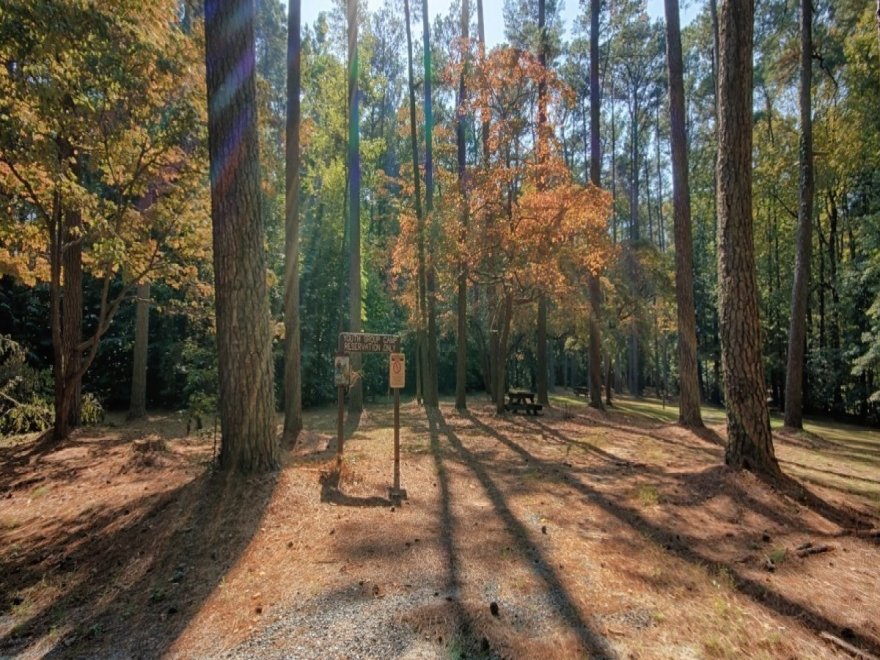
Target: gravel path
351 624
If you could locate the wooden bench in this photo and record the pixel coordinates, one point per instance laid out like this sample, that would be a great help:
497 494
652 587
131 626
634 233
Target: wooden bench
522 401
581 390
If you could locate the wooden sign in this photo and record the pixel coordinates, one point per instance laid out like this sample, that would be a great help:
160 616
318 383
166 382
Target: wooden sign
367 342
341 371
397 371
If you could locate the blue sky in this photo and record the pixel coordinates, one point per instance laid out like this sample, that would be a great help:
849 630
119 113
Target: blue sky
492 8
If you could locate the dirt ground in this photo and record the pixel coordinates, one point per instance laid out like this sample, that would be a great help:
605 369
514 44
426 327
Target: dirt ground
574 534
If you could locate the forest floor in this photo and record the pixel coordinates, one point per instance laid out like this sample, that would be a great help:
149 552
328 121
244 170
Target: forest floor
577 533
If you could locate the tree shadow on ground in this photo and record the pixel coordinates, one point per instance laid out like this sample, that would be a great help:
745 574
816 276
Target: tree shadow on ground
683 546
130 579
350 425
331 492
593 642
464 624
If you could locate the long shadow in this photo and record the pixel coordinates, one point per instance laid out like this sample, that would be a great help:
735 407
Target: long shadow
839 515
825 470
17 461
350 425
594 644
698 486
681 545
464 622
151 574
331 492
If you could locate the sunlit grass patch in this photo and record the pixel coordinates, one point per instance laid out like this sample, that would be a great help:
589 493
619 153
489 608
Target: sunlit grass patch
646 495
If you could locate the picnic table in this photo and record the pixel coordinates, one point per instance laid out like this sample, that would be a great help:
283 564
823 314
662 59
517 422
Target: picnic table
522 400
581 390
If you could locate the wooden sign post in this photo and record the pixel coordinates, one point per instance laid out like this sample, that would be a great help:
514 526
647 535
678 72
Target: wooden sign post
365 342
342 379
397 380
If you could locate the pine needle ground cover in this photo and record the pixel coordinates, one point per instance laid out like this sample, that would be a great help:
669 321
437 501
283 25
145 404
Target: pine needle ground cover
612 534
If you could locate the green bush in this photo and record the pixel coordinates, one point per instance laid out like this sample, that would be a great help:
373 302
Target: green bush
92 412
24 392
26 417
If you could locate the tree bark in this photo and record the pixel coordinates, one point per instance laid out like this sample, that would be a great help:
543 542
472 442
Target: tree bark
689 385
484 116
593 286
244 341
356 391
541 333
500 375
72 313
138 404
293 422
431 388
421 301
461 339
750 444
797 332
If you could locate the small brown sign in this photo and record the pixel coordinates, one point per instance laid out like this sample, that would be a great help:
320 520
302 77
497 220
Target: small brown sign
397 371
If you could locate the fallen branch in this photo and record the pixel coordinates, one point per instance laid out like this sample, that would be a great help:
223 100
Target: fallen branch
846 646
809 549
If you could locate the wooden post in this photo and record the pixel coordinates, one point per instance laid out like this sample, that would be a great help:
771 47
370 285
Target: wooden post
397 440
340 402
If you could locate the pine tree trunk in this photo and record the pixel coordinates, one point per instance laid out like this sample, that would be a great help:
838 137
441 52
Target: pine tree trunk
484 133
689 385
461 338
593 286
292 356
61 426
541 332
797 333
244 341
541 353
500 376
432 395
421 275
137 408
609 379
750 444
72 313
356 391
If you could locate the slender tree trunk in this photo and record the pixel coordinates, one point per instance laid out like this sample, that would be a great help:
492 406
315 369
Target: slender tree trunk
837 404
541 352
661 222
541 334
750 444
356 392
797 333
484 116
634 236
244 341
432 396
501 360
138 405
609 379
421 274
72 313
461 340
593 287
61 427
689 396
292 370
613 162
